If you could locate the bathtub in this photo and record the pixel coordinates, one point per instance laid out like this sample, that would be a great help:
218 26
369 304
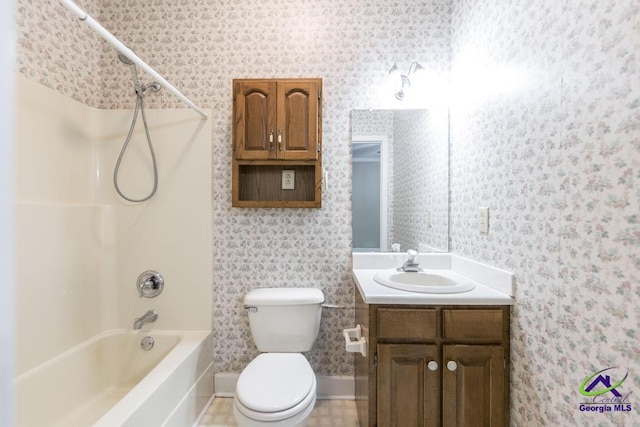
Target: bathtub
109 381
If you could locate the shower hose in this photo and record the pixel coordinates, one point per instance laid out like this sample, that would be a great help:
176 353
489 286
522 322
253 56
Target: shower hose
139 107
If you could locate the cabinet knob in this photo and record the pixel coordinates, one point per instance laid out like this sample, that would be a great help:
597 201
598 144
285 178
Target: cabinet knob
432 366
451 365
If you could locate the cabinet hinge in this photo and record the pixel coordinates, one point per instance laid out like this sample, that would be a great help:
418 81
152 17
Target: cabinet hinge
375 359
318 145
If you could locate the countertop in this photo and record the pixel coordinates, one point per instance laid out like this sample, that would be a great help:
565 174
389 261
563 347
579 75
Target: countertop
492 286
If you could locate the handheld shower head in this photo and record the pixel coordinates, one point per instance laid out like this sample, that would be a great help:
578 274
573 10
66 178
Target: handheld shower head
134 73
123 58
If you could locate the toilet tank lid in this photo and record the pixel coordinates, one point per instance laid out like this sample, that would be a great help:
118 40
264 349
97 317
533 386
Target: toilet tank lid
284 296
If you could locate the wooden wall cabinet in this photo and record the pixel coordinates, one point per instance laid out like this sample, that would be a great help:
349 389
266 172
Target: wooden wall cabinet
277 125
433 366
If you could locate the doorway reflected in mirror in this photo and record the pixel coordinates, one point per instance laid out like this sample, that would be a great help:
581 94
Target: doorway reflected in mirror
400 177
369 201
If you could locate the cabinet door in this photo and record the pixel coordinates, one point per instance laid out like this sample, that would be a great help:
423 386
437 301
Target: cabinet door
298 119
254 115
473 388
408 392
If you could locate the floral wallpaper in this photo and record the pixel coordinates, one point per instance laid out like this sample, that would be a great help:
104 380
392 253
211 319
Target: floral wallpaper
56 50
545 133
544 125
421 183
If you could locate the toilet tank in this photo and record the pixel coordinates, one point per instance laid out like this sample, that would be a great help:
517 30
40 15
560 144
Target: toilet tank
284 320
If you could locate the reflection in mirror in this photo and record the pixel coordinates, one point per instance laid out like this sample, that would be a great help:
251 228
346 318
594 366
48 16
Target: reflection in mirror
400 173
369 200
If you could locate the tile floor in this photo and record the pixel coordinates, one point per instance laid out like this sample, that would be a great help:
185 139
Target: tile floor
340 413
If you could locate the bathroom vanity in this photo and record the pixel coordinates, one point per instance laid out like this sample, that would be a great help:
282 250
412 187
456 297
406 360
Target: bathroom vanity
433 359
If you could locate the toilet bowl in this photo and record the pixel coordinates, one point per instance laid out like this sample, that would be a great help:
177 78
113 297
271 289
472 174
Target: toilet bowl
275 389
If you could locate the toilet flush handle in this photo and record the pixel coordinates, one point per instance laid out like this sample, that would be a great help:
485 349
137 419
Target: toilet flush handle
251 309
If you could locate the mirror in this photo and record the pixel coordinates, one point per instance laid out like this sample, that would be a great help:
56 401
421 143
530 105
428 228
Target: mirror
400 178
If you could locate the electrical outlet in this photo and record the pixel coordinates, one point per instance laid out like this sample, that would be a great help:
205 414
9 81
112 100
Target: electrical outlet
288 179
483 220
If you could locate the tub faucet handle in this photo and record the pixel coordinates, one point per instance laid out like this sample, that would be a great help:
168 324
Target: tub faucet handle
150 284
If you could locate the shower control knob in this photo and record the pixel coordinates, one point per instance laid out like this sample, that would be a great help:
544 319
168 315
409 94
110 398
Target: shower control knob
150 284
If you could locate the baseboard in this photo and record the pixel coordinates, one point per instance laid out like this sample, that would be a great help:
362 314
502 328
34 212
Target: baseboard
336 387
329 387
224 384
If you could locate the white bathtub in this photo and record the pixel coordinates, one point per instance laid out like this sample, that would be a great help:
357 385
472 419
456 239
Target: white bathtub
109 381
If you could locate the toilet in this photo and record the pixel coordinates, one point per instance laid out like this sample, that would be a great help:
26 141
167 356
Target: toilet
278 388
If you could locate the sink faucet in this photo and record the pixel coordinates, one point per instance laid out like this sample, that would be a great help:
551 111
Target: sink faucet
410 266
148 317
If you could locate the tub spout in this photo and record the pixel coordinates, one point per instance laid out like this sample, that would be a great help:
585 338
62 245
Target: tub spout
148 317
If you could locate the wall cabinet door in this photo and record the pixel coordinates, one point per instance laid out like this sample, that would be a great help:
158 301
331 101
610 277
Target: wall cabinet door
408 390
277 119
473 386
298 124
254 114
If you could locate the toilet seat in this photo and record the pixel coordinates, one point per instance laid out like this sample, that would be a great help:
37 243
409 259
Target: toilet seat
276 386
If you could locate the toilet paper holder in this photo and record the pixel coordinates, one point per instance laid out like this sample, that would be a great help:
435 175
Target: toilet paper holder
354 341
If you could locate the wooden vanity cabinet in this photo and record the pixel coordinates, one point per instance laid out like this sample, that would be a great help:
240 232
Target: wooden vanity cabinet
433 366
277 125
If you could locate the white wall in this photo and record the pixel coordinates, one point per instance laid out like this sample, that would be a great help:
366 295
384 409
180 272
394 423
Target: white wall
6 197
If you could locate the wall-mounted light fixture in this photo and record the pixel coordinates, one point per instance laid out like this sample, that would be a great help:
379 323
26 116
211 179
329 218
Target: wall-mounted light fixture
404 78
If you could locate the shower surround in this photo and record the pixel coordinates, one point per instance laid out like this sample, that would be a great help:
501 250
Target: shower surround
79 249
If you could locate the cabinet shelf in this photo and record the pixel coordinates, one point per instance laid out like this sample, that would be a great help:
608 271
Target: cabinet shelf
258 184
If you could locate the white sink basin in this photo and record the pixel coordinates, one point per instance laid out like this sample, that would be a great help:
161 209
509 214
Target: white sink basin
427 282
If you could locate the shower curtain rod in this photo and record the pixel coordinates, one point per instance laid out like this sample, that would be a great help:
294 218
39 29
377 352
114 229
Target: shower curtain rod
122 48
